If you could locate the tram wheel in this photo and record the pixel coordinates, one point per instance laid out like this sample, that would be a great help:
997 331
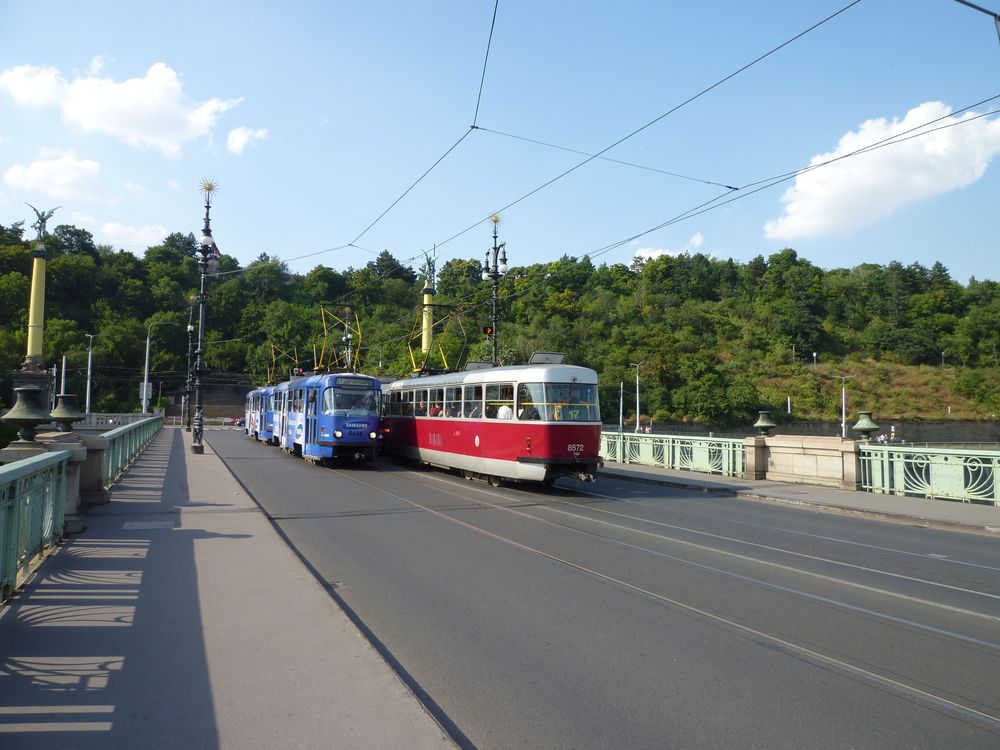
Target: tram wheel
495 481
468 474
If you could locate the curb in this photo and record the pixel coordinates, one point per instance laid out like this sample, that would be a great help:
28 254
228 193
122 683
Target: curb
975 528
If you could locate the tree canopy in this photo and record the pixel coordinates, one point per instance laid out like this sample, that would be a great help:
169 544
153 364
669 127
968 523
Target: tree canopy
712 335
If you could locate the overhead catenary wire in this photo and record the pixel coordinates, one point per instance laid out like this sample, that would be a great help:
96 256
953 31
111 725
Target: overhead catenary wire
590 157
605 158
655 120
482 80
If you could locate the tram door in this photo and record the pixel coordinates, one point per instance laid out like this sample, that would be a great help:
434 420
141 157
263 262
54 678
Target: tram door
312 399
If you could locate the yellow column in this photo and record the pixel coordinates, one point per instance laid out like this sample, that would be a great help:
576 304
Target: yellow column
36 311
427 329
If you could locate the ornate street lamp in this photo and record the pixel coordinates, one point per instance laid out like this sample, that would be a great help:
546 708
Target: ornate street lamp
207 263
494 269
188 384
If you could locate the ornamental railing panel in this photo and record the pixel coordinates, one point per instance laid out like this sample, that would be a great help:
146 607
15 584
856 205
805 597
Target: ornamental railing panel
967 475
125 443
32 502
724 456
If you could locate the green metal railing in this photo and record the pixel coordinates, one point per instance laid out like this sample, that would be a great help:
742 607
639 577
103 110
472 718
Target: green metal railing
967 475
124 444
725 456
32 501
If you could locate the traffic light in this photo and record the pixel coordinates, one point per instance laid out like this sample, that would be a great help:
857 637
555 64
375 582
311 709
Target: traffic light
488 330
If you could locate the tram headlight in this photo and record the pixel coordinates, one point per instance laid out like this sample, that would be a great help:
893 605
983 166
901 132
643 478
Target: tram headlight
338 433
373 434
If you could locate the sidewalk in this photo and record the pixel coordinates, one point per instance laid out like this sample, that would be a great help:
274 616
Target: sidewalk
180 618
938 513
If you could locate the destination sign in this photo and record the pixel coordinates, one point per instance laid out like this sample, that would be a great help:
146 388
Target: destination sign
355 382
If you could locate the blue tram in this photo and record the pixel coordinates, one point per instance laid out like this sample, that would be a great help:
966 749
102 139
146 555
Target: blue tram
259 417
322 417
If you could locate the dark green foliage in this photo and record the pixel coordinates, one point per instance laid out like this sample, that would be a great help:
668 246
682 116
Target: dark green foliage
717 339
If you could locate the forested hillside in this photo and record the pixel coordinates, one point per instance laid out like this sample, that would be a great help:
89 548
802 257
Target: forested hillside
716 339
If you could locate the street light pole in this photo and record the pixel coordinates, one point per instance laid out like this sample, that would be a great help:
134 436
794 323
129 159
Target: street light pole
188 386
90 353
843 405
494 269
636 365
145 377
209 260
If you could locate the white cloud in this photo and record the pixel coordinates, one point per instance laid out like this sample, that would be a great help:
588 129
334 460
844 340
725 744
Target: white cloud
857 192
96 65
59 174
174 184
33 87
240 138
129 236
649 253
151 111
82 218
134 187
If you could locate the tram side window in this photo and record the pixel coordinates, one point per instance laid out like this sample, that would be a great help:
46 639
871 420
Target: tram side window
531 401
453 401
420 403
500 401
435 406
473 404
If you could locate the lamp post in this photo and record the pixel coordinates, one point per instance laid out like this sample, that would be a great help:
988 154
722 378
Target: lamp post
494 269
90 358
843 405
188 386
207 263
145 376
636 365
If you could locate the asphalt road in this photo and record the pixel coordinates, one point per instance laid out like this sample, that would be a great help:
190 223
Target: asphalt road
619 614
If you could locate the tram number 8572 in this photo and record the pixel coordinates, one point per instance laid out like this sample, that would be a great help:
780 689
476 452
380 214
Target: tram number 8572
575 447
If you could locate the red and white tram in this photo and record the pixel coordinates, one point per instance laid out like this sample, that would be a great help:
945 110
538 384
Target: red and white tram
529 422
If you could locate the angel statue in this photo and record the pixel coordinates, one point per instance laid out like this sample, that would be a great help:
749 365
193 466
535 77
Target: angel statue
428 270
43 217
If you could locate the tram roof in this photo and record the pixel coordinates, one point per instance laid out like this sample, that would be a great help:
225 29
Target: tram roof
518 373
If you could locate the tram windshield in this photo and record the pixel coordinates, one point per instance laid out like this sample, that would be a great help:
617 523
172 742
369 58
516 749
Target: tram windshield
350 403
568 402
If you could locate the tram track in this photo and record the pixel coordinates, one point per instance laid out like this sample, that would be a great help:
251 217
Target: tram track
548 506
921 667
812 655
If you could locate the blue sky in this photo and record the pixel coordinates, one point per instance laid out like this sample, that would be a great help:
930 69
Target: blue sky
314 117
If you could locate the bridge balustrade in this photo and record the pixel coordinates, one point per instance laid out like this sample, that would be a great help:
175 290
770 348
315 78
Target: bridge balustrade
966 475
33 498
711 455
124 444
32 501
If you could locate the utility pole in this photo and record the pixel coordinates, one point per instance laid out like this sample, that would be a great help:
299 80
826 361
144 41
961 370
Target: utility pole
636 365
90 354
